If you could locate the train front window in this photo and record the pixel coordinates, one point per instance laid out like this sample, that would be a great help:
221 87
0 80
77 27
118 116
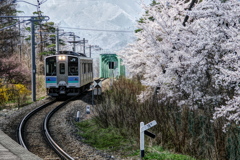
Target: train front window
72 66
51 66
62 68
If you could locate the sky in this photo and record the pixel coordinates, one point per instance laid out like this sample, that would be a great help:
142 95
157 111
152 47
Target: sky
107 23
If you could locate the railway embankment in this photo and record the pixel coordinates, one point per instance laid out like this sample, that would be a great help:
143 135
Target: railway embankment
62 126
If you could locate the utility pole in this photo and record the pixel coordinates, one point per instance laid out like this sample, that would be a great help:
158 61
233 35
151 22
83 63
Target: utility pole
32 20
74 39
57 40
84 46
34 69
33 60
90 46
20 44
90 49
94 47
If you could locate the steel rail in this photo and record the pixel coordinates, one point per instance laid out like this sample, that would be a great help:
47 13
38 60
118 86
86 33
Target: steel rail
20 131
46 131
48 136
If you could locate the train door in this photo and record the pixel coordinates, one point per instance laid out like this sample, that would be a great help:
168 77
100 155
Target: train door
51 74
62 77
73 72
81 72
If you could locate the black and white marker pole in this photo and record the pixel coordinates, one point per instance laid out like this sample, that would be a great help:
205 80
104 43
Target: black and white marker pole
141 140
98 86
78 116
143 130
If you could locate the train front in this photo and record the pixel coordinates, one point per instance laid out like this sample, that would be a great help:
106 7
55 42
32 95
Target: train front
62 75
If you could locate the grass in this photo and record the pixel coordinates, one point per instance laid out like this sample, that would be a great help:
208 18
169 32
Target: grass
102 138
158 153
110 139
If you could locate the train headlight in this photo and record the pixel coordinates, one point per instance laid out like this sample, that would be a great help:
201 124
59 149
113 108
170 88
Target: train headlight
61 58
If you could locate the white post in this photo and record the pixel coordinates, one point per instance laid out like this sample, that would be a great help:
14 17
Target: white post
87 109
78 116
141 139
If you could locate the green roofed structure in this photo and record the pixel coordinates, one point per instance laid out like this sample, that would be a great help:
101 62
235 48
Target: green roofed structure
111 66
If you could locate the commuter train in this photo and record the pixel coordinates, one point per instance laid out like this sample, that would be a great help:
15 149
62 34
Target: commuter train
68 73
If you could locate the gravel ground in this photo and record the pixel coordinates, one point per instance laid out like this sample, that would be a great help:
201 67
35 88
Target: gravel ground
63 126
10 118
65 132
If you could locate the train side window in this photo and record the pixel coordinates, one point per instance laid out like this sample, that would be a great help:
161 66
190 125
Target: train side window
89 67
84 68
62 68
51 66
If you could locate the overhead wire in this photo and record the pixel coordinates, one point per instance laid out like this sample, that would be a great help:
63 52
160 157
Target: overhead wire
98 30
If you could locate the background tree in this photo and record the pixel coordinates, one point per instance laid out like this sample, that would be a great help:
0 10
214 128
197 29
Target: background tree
197 69
196 65
13 72
45 40
8 37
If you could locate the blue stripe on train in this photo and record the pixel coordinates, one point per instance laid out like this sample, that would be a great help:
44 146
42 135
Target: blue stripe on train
51 79
73 79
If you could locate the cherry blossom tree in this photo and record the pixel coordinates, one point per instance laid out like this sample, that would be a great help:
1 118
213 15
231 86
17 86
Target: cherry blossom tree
12 71
195 64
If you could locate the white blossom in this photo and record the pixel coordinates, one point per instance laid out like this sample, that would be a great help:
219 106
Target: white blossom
196 64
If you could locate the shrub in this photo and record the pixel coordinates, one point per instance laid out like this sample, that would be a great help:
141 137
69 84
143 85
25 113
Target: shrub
16 93
181 129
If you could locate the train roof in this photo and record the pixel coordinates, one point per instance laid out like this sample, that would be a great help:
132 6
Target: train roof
72 53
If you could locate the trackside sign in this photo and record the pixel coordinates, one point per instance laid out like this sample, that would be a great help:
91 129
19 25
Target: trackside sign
149 125
143 131
97 84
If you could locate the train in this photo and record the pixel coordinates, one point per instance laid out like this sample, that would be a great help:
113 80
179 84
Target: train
67 73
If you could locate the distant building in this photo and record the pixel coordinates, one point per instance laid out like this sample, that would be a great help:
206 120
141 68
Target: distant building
111 66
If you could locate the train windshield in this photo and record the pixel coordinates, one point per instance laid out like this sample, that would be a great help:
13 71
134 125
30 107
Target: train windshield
72 66
51 66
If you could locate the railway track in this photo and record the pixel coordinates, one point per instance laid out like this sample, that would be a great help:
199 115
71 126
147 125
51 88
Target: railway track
34 134
37 132
48 136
